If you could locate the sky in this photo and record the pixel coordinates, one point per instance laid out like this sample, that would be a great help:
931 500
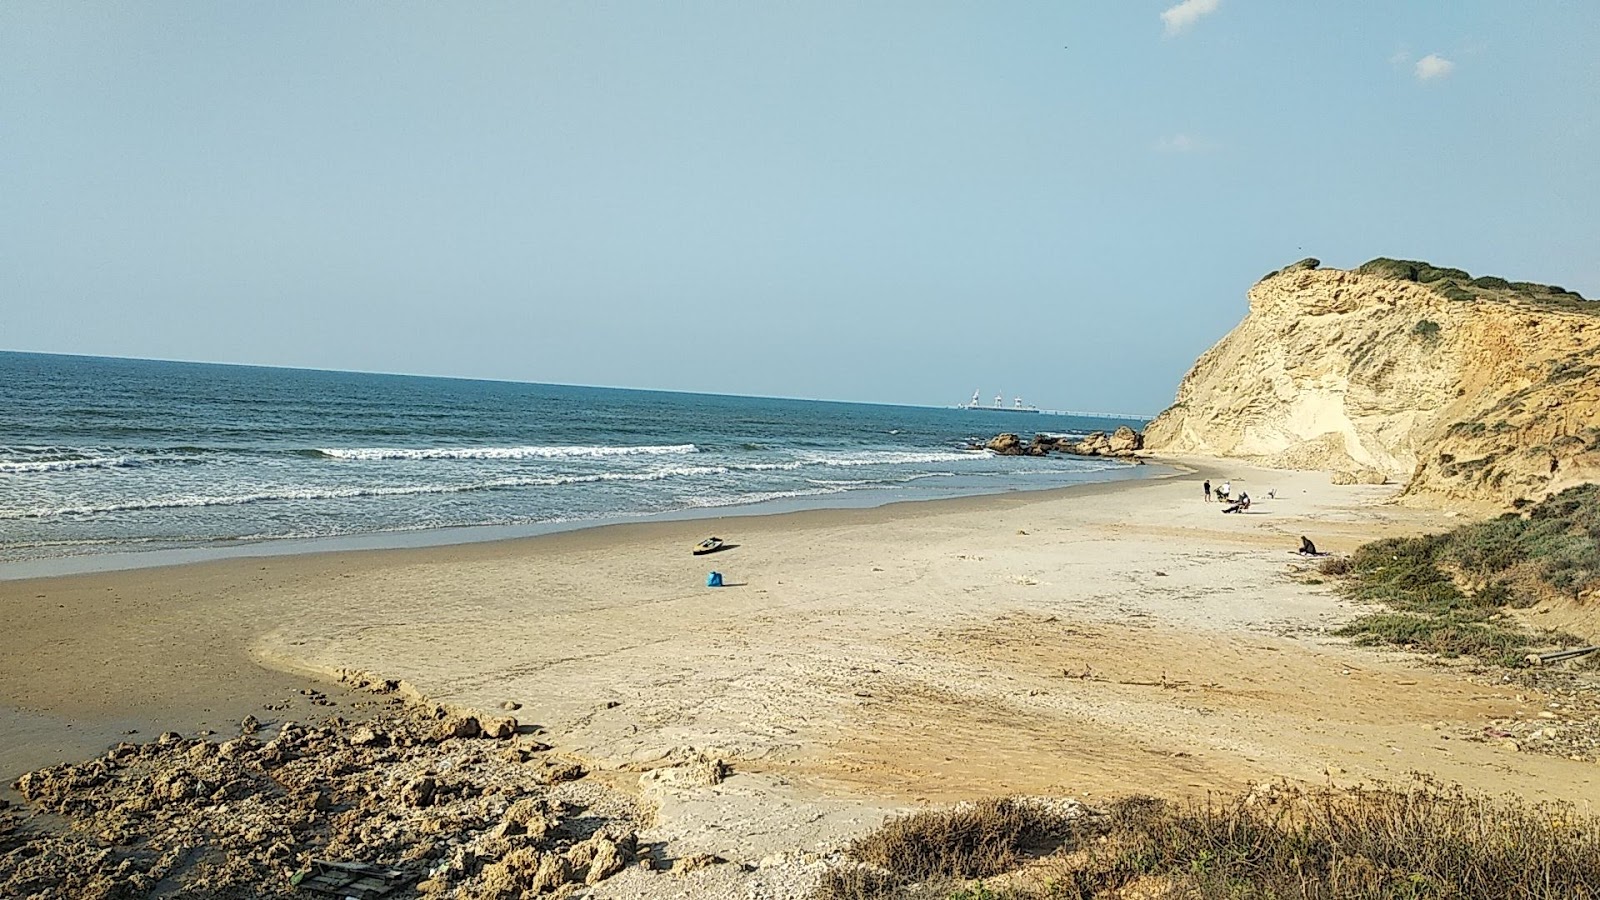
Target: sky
888 201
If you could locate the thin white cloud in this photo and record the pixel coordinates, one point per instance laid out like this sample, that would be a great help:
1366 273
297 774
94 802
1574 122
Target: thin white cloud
1178 18
1433 66
1400 59
1185 143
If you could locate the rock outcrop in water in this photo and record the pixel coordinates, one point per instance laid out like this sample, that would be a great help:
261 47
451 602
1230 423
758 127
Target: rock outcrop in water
1477 390
1123 442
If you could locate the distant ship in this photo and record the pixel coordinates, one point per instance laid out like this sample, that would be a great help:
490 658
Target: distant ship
999 405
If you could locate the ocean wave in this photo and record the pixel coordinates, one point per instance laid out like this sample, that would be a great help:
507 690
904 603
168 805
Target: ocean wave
895 458
758 497
320 493
31 467
535 452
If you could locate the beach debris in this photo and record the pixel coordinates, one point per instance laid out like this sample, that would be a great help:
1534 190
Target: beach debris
714 579
360 881
1555 656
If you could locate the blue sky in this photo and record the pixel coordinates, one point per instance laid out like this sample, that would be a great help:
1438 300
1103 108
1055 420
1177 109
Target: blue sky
895 202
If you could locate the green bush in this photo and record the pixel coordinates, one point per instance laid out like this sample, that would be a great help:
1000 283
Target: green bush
1427 330
1428 274
1444 592
1384 267
1454 283
1451 290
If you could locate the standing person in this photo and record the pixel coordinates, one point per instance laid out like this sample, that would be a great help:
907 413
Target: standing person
1208 490
1227 490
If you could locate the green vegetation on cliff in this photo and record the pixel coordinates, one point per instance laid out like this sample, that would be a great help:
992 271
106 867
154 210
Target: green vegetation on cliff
1458 284
1447 594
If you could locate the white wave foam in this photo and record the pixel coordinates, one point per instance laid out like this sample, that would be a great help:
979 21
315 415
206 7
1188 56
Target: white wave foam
188 501
758 497
534 452
895 458
21 467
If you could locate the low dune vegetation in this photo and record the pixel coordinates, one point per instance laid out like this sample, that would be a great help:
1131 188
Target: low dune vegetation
1450 594
1409 842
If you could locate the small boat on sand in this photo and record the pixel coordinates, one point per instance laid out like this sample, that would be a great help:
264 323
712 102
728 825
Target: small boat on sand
709 545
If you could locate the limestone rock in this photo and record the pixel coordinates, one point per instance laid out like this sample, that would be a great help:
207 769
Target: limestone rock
498 728
607 861
1358 476
1006 444
1458 388
1094 444
1124 441
364 736
419 792
554 871
458 727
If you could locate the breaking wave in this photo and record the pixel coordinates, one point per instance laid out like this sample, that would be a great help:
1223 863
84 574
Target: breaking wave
536 452
29 467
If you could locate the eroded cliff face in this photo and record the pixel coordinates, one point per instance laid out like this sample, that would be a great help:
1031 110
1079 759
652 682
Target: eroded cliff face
1490 400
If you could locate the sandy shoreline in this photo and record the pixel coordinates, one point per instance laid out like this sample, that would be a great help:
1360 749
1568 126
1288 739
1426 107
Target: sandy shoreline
1092 640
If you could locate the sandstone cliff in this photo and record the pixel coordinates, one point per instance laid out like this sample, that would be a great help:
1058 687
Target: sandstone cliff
1463 389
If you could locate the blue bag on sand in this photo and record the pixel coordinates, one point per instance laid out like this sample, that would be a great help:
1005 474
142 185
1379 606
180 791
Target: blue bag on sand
714 579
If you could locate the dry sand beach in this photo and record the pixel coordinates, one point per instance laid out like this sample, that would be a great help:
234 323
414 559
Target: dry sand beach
1079 643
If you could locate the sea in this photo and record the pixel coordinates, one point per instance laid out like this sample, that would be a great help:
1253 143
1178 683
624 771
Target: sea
126 462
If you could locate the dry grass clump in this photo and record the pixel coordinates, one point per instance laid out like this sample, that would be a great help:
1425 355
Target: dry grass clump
1391 843
974 840
1335 566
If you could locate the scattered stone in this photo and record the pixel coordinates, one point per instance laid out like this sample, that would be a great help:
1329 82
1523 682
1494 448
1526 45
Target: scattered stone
511 706
558 771
249 725
462 819
365 736
554 871
419 792
498 728
607 861
685 864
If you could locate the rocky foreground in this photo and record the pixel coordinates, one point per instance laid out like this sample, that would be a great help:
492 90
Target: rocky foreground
464 808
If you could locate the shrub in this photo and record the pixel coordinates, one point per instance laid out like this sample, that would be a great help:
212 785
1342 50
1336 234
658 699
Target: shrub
1380 843
974 840
1450 290
1428 274
1444 592
1569 369
1427 330
1383 267
1335 566
1491 282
